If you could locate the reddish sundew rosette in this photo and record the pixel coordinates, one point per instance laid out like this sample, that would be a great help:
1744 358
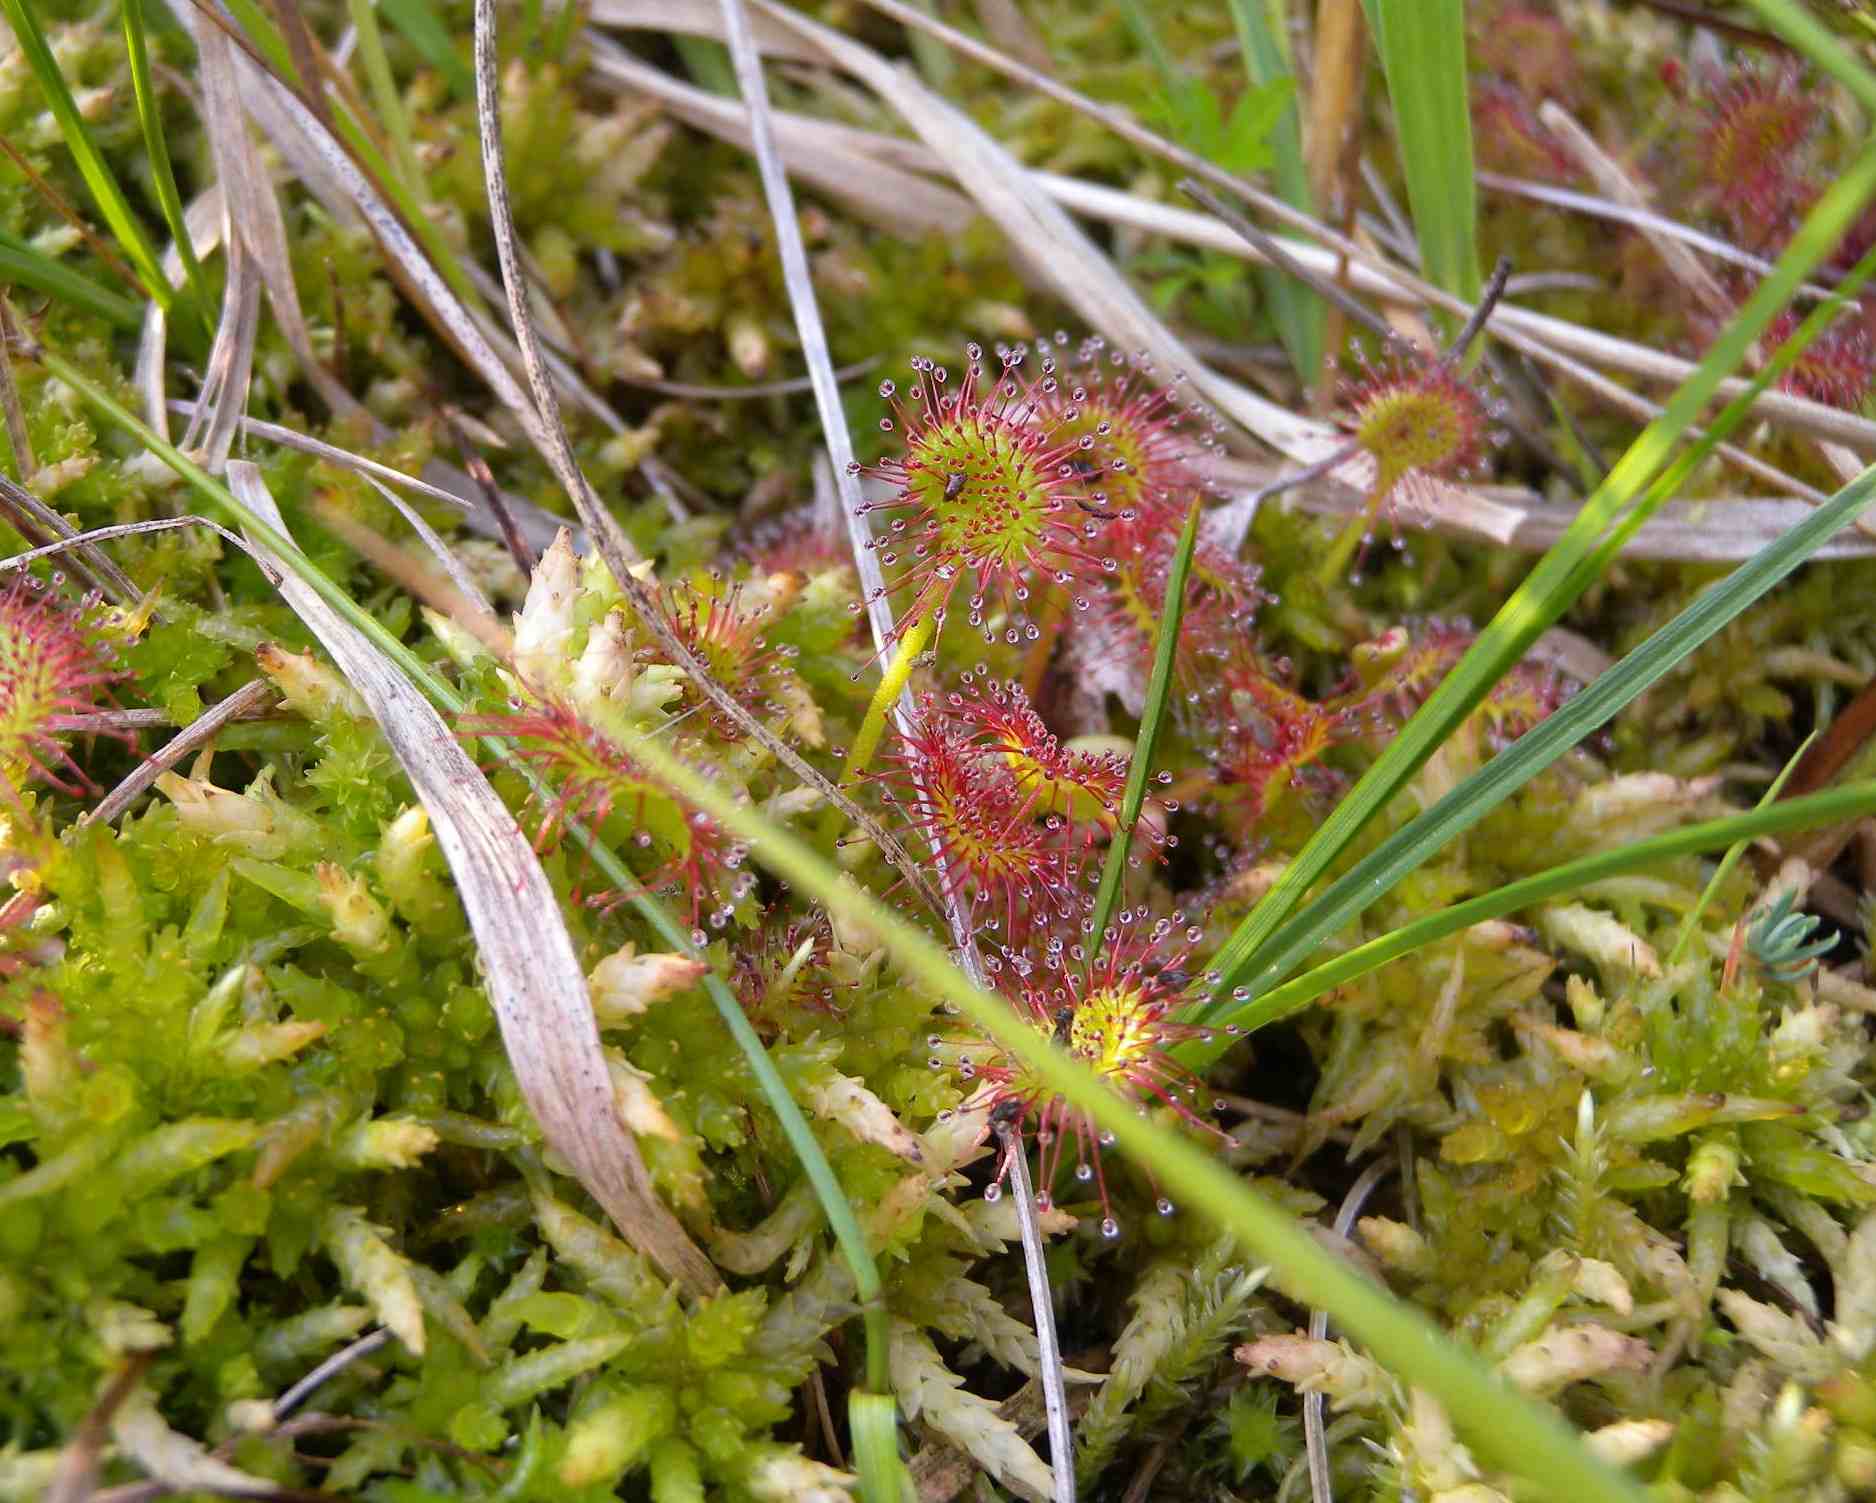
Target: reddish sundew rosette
1008 809
1145 455
1059 784
53 664
966 807
725 626
780 969
1838 366
1222 599
1412 415
1267 740
593 779
1108 1002
989 489
725 633
1754 126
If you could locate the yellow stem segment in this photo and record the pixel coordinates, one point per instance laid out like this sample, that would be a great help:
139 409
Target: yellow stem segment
917 638
1360 526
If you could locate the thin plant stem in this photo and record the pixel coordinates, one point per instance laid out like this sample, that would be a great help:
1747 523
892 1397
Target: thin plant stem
1315 1440
892 684
1048 1348
1733 852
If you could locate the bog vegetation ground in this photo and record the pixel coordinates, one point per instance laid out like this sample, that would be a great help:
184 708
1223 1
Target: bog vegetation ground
561 937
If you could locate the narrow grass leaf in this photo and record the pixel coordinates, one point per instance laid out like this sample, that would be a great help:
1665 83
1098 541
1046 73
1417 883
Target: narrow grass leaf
99 179
156 152
421 27
1423 51
1504 1428
1296 311
384 93
1554 583
1152 720
1462 808
20 264
1852 801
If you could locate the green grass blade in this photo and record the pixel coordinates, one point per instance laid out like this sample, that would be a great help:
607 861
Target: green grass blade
1152 719
1526 759
873 1430
103 185
841 1220
1503 1427
384 93
22 265
156 149
707 62
420 26
1296 311
1852 801
1492 784
1423 52
1558 578
1806 33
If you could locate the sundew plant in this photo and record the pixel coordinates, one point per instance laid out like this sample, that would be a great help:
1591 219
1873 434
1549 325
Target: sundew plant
799 751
